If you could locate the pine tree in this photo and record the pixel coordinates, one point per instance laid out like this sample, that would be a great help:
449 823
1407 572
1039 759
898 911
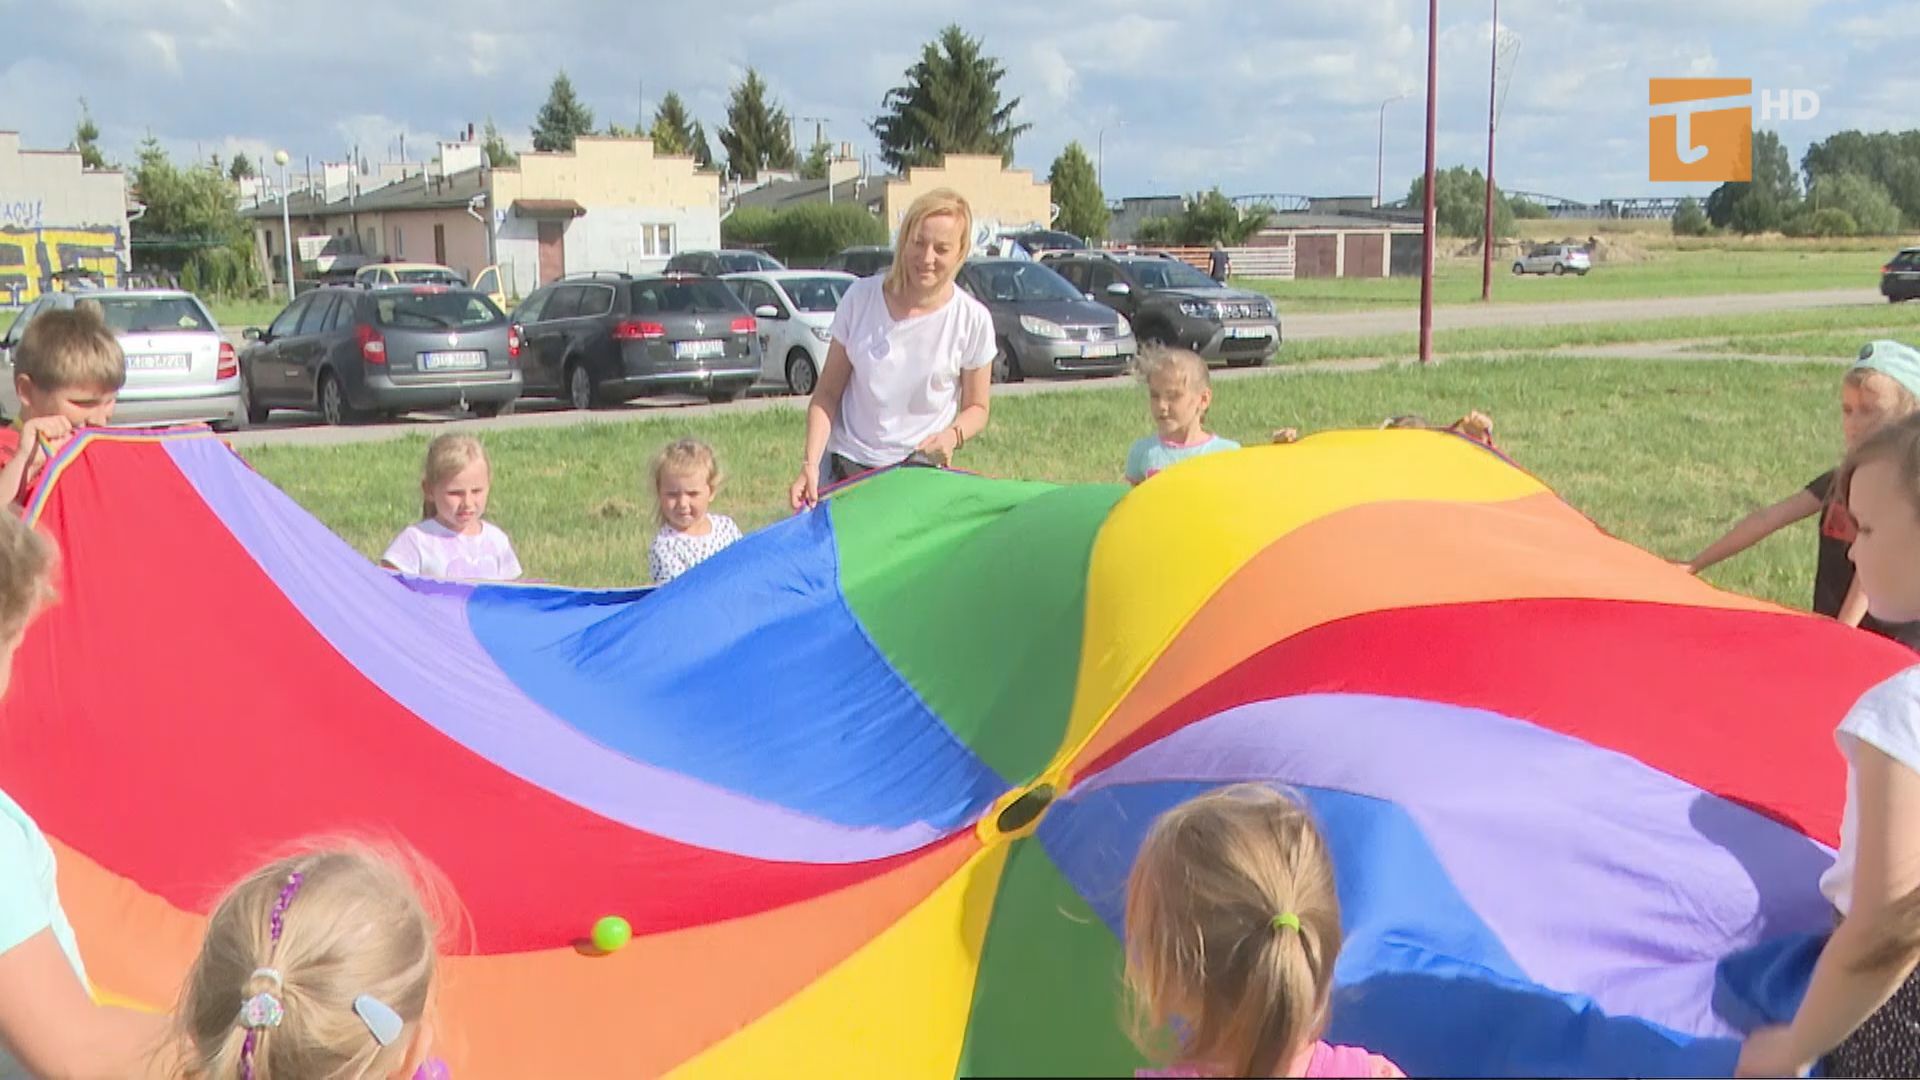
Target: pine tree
757 135
818 159
494 145
562 119
86 138
672 131
241 167
702 149
949 105
1076 190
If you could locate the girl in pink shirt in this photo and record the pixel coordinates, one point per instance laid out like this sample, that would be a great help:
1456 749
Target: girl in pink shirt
1233 927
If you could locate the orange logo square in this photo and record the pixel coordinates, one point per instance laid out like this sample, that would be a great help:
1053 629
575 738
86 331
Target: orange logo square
1700 129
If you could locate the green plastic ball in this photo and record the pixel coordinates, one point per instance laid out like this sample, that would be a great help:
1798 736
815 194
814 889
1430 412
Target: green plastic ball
611 933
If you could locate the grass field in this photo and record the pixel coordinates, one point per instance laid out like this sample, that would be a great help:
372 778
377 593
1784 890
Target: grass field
1670 273
1663 454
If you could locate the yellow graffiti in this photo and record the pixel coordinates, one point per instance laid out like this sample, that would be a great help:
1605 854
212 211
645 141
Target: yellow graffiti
30 259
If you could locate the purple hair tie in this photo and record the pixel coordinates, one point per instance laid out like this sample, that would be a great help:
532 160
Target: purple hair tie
263 1010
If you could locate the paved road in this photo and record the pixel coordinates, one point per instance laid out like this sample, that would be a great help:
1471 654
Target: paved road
297 428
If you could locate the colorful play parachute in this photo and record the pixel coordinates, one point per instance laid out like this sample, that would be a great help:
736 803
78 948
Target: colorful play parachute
867 785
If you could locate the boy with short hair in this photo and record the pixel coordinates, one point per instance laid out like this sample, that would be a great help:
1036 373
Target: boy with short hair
67 371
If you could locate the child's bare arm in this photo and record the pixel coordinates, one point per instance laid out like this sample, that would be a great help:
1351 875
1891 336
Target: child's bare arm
1854 607
49 1023
1756 527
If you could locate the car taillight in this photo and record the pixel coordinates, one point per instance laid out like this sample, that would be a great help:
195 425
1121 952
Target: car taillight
1886 268
373 347
746 324
229 362
635 330
514 341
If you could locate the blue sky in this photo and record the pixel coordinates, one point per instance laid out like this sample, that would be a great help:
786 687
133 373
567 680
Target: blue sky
1254 96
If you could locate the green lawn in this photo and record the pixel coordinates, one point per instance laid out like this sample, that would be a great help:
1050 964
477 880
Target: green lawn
1819 343
1671 273
1664 454
1841 330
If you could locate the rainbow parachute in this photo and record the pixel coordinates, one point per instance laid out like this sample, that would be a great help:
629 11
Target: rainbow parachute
867 785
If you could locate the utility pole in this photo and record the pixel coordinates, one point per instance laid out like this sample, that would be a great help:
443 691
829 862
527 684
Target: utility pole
1493 83
1426 259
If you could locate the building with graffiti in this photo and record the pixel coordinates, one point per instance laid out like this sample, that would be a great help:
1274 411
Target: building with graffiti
57 220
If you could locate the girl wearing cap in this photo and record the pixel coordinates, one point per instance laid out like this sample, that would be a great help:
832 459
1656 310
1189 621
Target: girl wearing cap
911 363
1882 387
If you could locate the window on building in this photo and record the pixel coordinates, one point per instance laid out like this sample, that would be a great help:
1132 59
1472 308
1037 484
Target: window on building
440 244
399 243
657 239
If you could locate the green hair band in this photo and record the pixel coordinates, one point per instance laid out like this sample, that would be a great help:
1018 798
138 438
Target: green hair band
1288 920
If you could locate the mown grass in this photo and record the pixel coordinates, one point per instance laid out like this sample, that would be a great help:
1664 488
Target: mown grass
1662 454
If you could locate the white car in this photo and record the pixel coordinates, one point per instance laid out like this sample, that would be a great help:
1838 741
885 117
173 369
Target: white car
1554 259
180 369
795 308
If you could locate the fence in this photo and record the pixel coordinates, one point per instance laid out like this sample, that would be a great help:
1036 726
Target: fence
1248 262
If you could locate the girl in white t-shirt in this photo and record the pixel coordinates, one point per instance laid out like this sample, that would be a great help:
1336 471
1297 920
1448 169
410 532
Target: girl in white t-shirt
911 363
685 477
452 539
1862 1007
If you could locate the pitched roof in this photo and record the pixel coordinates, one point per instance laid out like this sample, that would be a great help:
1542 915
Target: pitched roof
424 192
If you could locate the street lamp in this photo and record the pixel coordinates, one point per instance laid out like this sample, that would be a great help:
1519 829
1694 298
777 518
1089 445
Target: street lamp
1426 217
280 158
1380 162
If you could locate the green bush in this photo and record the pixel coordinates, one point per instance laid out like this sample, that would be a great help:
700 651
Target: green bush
802 235
1690 219
1827 222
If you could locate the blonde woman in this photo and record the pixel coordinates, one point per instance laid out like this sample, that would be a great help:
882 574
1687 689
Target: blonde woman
910 366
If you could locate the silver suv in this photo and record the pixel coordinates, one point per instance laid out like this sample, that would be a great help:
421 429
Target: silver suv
1554 259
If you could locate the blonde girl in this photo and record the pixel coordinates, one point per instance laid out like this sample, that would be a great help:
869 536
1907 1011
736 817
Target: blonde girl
1233 928
686 476
453 539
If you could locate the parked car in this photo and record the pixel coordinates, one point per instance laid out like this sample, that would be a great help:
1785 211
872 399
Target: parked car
863 261
716 263
179 367
1039 240
794 309
1900 278
600 339
1174 304
349 353
1554 259
486 282
1045 326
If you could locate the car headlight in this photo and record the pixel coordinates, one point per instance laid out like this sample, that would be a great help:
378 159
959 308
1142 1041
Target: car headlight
1039 327
1122 328
1198 309
825 335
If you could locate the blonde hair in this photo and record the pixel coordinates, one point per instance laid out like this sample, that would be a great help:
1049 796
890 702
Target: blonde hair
446 456
26 575
71 348
935 203
1233 927
1905 404
1187 365
354 924
684 455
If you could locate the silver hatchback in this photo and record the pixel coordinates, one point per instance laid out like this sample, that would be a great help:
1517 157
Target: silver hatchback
180 369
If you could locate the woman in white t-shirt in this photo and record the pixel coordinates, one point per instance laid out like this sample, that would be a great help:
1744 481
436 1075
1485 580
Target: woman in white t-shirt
1861 1013
911 363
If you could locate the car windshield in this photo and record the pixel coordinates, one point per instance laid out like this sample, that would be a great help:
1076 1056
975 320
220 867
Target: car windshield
816 294
152 314
1170 274
429 277
425 310
746 261
683 297
1022 282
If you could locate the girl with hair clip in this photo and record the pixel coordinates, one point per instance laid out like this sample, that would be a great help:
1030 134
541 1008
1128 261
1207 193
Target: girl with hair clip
1233 927
1861 1013
321 966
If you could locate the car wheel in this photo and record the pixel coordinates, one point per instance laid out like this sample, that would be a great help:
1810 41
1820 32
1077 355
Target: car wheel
1006 364
1245 361
1558 269
335 409
256 414
725 397
1519 268
580 393
800 374
487 410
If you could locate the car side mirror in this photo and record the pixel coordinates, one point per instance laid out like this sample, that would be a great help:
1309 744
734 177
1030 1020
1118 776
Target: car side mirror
1119 288
1089 296
766 311
253 333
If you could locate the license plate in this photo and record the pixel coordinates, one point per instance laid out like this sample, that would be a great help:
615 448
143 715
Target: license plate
698 350
1099 352
1248 332
463 360
160 362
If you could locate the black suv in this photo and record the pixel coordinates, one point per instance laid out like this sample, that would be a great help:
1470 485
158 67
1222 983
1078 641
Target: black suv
715 263
1174 304
600 339
1900 278
863 261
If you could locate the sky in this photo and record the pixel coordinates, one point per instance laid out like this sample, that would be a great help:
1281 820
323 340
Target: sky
1255 97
